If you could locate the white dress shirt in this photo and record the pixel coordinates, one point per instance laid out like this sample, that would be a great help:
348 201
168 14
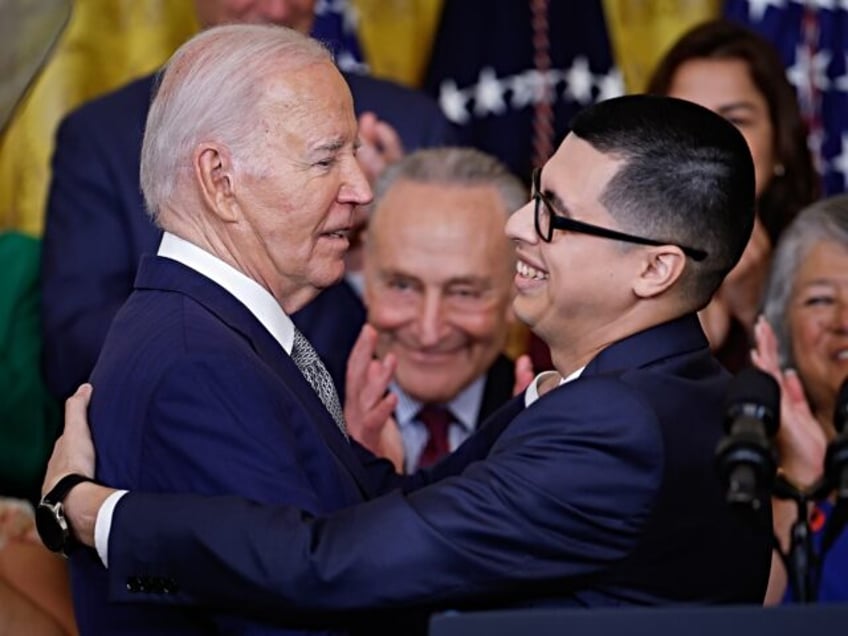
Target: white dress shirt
531 394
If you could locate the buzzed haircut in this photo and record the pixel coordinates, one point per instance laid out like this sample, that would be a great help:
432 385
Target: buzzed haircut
687 178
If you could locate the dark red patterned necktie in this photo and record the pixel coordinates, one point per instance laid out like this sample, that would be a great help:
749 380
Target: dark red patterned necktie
437 419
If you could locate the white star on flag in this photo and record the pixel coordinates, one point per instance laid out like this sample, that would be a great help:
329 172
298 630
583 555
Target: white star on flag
610 85
808 69
579 79
839 163
757 8
452 102
524 89
841 82
488 98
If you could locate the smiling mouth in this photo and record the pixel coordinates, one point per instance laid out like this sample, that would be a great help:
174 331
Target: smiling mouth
337 234
420 356
528 271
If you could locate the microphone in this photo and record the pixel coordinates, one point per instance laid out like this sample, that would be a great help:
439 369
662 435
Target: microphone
836 459
745 459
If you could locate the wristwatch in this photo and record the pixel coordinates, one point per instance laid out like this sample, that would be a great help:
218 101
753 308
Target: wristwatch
50 521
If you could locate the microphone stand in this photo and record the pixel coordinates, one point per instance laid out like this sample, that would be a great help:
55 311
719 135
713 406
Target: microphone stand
800 561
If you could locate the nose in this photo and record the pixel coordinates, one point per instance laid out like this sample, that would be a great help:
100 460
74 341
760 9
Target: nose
430 320
355 188
521 224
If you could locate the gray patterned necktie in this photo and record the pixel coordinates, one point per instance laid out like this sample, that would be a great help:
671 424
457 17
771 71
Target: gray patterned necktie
310 365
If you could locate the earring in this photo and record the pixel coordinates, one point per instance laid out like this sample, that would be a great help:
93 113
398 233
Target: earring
779 170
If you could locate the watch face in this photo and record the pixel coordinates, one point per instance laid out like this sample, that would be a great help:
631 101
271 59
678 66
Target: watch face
51 525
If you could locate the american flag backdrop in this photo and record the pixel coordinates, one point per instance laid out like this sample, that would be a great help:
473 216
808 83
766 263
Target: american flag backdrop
489 71
812 37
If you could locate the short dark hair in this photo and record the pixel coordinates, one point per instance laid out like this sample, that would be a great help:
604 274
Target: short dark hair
688 178
798 183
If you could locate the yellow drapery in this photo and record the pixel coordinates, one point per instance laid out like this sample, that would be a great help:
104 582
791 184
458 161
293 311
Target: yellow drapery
106 43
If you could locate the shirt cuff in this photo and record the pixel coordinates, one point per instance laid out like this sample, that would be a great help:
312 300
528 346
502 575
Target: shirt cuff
103 525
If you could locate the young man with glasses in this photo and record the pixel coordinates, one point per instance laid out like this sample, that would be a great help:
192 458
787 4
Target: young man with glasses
601 491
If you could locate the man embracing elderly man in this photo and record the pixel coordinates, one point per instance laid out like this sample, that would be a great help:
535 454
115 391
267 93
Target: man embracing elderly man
595 487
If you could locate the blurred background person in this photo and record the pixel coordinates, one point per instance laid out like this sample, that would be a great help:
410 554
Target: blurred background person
738 74
803 343
438 289
34 590
96 227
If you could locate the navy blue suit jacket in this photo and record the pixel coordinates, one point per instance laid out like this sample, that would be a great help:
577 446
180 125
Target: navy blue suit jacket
194 395
96 227
603 492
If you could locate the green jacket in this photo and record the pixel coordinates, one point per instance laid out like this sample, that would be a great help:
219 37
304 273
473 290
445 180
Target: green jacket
29 417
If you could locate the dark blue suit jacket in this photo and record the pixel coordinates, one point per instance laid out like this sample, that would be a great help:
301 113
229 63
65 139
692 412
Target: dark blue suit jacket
194 395
96 227
603 492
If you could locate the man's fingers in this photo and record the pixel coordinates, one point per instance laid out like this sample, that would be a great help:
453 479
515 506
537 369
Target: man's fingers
381 412
360 358
74 450
76 407
367 127
379 376
388 142
524 374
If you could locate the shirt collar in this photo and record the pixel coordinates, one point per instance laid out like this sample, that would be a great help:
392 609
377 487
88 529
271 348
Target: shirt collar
465 407
251 294
532 392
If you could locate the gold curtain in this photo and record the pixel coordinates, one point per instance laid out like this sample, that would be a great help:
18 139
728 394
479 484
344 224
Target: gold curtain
642 30
396 36
106 43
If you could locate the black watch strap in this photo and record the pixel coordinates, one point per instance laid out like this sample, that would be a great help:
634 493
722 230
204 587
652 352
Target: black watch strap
53 528
63 487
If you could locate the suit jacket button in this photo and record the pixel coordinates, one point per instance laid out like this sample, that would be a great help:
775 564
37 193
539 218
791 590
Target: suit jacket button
133 584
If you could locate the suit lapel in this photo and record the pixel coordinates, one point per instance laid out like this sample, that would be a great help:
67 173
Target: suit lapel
165 274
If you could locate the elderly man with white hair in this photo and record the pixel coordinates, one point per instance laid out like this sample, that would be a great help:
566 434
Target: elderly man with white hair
204 384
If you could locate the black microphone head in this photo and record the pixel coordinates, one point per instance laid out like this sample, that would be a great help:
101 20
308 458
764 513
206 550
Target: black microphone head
840 413
753 393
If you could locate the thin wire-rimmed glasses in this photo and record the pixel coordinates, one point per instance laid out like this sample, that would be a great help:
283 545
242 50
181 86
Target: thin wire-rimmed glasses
547 221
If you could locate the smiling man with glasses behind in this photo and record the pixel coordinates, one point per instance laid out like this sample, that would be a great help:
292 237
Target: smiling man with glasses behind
600 492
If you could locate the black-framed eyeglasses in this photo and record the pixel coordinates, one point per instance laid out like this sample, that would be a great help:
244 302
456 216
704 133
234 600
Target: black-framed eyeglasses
547 221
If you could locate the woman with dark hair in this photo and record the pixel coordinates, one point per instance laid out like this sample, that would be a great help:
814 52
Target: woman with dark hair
738 74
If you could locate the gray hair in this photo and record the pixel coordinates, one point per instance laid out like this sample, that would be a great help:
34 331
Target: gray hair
824 221
457 167
212 90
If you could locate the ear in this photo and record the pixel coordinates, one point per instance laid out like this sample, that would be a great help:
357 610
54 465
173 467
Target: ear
661 268
213 168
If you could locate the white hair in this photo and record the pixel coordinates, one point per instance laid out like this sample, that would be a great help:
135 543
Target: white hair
454 166
825 221
212 91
